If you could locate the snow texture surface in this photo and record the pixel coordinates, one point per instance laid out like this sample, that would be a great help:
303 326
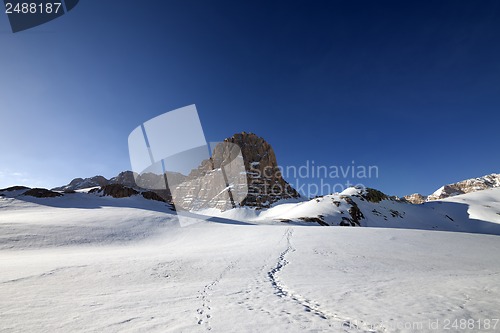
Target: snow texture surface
83 263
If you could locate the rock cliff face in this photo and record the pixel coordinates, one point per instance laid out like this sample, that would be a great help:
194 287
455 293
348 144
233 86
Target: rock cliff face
265 182
253 181
415 198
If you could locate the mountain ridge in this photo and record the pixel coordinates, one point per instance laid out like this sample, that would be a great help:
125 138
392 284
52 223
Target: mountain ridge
356 207
461 187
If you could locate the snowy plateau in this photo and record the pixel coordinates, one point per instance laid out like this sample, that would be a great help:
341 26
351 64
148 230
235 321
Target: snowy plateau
84 262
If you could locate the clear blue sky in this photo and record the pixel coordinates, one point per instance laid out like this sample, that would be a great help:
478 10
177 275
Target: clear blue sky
410 86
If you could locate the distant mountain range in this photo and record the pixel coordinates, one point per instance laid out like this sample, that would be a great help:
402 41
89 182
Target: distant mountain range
259 159
262 173
471 205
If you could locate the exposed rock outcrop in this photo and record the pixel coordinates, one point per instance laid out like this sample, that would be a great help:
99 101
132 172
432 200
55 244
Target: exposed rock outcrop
125 178
119 191
265 182
466 186
261 174
81 183
462 187
116 191
415 198
42 193
373 195
144 182
150 195
14 188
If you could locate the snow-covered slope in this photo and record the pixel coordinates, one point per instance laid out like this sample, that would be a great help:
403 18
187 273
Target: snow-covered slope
477 212
227 278
77 218
87 263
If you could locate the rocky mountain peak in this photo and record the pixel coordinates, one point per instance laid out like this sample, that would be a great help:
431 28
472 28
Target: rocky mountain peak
466 186
262 176
415 198
265 182
81 183
462 187
125 178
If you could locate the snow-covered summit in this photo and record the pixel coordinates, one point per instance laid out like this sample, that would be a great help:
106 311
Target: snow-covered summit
477 212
